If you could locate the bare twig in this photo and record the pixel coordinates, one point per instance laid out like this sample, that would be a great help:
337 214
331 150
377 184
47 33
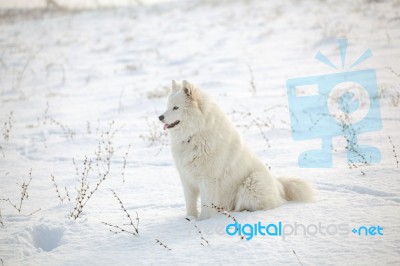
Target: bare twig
351 164
124 165
7 128
84 187
38 210
252 121
155 136
253 88
294 252
1 220
24 194
20 74
224 212
135 226
350 134
56 187
262 132
46 118
239 115
88 130
119 229
394 153
2 152
221 210
391 70
67 194
103 153
68 133
162 244
203 240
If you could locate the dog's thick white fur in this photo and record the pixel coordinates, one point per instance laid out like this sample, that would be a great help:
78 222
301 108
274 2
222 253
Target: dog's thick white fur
214 163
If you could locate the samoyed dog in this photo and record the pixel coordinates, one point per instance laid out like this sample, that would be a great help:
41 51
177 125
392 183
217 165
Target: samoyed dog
214 163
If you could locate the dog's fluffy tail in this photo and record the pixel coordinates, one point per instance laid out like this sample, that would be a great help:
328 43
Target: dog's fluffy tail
297 189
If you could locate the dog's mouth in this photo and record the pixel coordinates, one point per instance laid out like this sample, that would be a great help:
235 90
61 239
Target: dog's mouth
171 125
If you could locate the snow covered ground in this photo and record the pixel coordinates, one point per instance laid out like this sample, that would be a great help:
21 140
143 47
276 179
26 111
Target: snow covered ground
91 84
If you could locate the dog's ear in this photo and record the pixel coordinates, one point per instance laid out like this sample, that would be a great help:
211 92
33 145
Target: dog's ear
174 86
192 93
188 88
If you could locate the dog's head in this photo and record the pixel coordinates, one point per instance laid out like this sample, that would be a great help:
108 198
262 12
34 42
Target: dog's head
183 108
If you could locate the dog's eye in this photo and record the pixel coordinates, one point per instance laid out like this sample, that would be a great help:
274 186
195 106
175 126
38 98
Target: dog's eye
175 108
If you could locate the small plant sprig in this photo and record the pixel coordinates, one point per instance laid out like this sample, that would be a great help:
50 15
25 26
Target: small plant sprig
103 153
317 121
391 70
24 194
203 240
2 152
162 244
259 126
351 140
294 252
56 187
253 88
239 115
118 229
82 197
1 220
221 210
350 135
68 133
66 196
155 136
88 130
32 213
7 127
248 120
224 212
351 164
124 165
394 152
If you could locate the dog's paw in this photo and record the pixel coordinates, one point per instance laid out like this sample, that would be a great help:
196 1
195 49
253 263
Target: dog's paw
192 212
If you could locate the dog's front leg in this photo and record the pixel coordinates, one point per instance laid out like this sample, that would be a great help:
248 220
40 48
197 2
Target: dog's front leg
191 194
208 196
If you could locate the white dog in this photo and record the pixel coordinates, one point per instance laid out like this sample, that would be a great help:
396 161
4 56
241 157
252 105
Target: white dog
214 162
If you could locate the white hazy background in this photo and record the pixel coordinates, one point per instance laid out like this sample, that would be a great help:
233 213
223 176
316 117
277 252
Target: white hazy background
75 4
79 76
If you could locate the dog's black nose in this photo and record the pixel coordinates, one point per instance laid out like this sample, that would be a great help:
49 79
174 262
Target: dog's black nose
161 117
